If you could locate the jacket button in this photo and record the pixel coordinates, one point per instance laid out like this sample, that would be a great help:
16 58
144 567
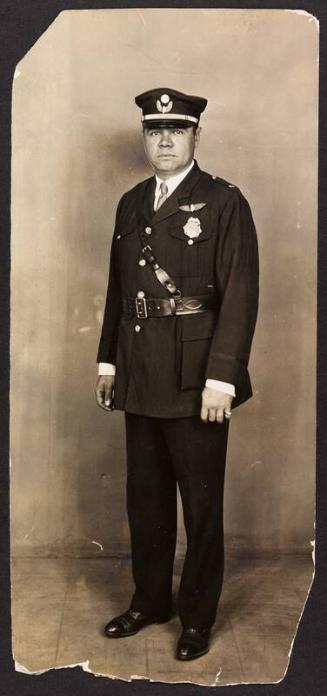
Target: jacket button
137 328
148 230
142 262
190 242
140 294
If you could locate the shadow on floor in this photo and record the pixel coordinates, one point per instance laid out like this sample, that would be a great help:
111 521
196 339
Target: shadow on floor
60 606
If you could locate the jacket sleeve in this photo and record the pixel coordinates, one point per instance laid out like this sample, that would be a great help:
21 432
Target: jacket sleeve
237 271
112 313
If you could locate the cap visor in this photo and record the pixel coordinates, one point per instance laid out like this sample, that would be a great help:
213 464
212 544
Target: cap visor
168 124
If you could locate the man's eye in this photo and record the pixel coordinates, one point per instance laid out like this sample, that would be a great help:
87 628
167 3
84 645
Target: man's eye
178 131
154 132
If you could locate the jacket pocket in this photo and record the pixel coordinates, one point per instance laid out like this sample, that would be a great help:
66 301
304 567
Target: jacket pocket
182 251
196 337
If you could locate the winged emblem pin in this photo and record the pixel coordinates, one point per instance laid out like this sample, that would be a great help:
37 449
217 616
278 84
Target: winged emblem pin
192 207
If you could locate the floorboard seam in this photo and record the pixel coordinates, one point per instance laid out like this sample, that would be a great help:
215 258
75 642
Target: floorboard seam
237 648
147 664
62 614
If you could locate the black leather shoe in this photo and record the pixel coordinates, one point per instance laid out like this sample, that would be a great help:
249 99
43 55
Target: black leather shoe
130 623
193 643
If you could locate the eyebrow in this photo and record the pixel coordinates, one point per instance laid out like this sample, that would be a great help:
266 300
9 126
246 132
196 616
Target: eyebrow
172 128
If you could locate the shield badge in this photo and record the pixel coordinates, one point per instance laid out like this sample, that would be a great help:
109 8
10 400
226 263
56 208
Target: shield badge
192 228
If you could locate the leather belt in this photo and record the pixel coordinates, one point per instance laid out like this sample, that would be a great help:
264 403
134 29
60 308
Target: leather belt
144 307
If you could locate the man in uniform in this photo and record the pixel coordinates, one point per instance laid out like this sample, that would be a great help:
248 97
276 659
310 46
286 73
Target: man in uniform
179 318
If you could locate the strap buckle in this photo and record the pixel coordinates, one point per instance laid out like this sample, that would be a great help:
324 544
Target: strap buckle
140 308
146 248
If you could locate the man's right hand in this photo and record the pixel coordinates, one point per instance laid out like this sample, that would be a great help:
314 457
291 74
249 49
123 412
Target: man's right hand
104 391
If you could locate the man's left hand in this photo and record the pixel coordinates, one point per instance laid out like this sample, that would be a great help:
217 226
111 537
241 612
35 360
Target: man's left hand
214 404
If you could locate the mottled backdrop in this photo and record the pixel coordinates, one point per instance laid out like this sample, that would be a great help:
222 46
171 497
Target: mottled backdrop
76 149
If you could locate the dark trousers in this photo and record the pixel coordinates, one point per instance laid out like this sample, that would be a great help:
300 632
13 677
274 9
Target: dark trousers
162 453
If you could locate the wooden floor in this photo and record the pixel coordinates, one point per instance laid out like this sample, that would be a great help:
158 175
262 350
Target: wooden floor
59 608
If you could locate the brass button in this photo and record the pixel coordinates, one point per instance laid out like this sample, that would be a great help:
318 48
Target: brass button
190 242
118 236
140 294
137 328
148 230
142 262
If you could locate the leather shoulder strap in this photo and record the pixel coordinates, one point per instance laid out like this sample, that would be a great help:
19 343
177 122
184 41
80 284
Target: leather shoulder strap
162 276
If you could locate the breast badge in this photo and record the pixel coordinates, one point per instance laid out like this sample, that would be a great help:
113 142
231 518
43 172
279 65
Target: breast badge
192 228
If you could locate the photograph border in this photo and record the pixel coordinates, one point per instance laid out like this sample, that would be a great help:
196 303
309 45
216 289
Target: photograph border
22 23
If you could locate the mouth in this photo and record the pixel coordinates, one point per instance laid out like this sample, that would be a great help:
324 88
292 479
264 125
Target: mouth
166 156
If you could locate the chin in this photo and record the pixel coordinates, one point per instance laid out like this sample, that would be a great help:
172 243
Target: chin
168 165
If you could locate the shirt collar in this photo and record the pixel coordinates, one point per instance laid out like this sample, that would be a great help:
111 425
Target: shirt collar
175 180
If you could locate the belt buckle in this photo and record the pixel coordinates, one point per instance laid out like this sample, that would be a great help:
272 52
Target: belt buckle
192 304
140 308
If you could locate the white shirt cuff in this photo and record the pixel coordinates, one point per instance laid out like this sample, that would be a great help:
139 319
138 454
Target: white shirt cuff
106 369
221 386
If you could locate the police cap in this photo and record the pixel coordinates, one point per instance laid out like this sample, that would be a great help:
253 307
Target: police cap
165 106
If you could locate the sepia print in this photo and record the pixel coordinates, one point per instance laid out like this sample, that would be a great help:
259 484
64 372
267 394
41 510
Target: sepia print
178 147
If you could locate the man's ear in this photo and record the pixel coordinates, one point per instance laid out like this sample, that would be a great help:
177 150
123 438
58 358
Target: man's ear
197 135
142 135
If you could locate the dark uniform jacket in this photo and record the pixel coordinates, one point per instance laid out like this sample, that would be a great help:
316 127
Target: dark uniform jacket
161 369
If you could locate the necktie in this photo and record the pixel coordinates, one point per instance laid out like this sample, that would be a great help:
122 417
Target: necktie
163 195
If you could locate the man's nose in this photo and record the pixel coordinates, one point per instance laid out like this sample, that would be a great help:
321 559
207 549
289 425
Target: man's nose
165 139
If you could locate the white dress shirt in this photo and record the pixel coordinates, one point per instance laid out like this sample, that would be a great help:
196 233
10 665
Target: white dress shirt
108 368
172 183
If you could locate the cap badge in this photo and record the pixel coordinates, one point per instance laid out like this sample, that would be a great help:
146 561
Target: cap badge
164 104
192 228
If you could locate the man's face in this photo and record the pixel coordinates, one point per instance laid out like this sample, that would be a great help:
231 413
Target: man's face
170 150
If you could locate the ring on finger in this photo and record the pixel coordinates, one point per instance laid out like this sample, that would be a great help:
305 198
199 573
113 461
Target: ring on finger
228 414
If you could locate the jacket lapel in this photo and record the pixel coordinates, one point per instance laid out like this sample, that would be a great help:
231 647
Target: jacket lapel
148 199
144 202
183 195
183 190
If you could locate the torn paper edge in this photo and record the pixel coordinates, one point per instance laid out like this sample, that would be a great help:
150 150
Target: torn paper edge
21 668
313 555
85 666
